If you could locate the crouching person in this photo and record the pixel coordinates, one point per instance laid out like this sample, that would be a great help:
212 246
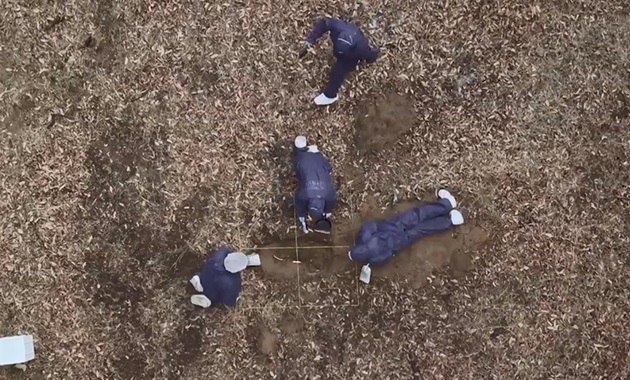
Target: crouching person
379 241
219 281
316 194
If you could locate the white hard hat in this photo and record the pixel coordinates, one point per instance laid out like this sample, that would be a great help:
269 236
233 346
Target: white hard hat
300 142
235 262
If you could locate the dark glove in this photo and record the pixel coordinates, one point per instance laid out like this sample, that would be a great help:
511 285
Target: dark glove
374 53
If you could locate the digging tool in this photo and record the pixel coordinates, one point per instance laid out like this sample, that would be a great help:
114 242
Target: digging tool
366 274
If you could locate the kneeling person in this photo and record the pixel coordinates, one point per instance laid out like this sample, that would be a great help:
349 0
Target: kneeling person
316 194
220 279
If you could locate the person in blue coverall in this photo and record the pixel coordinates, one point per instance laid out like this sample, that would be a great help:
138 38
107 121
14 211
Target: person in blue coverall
350 47
219 281
380 241
316 194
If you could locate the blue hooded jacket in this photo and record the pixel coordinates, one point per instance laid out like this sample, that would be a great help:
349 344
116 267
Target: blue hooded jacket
316 192
349 42
380 241
220 286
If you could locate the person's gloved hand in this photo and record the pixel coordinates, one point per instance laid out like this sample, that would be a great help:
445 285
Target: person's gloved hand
303 223
304 50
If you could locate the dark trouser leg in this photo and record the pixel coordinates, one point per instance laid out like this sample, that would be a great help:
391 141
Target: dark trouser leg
419 214
433 210
429 227
337 76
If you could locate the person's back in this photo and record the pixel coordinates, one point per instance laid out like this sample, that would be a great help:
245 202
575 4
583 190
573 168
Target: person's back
314 175
316 193
219 285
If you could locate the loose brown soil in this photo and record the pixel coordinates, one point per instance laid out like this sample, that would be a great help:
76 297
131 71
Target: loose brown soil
382 122
137 137
452 249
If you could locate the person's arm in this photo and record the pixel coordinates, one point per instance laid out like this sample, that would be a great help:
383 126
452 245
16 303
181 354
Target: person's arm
327 165
365 53
229 295
301 207
221 252
372 55
322 26
329 207
382 252
381 259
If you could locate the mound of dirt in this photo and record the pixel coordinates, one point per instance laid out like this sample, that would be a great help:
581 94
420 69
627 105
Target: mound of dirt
382 122
267 341
291 324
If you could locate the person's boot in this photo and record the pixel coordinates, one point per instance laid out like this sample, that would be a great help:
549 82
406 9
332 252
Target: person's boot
196 283
323 100
445 194
200 300
456 217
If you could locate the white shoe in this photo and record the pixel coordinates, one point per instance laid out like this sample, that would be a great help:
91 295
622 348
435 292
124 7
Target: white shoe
200 300
456 217
443 193
323 100
196 283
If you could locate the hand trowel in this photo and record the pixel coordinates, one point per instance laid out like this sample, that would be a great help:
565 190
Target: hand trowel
366 273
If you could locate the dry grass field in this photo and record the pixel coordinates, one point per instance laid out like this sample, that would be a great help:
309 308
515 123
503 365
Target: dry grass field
137 136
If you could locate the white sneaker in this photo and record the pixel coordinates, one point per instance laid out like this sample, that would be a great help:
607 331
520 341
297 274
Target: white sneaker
456 217
443 193
200 300
196 283
323 100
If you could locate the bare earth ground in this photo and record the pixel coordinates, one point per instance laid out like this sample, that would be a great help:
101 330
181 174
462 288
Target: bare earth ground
137 136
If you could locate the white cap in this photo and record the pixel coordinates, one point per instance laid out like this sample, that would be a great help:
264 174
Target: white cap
235 262
300 142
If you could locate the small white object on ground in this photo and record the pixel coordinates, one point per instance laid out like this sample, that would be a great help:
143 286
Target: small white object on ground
366 273
200 300
323 100
446 194
253 260
456 217
16 349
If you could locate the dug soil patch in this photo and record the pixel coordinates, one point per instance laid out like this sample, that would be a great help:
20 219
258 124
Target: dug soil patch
381 123
449 250
315 256
320 257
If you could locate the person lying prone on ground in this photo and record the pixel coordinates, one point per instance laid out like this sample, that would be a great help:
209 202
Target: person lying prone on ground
380 241
219 281
316 193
